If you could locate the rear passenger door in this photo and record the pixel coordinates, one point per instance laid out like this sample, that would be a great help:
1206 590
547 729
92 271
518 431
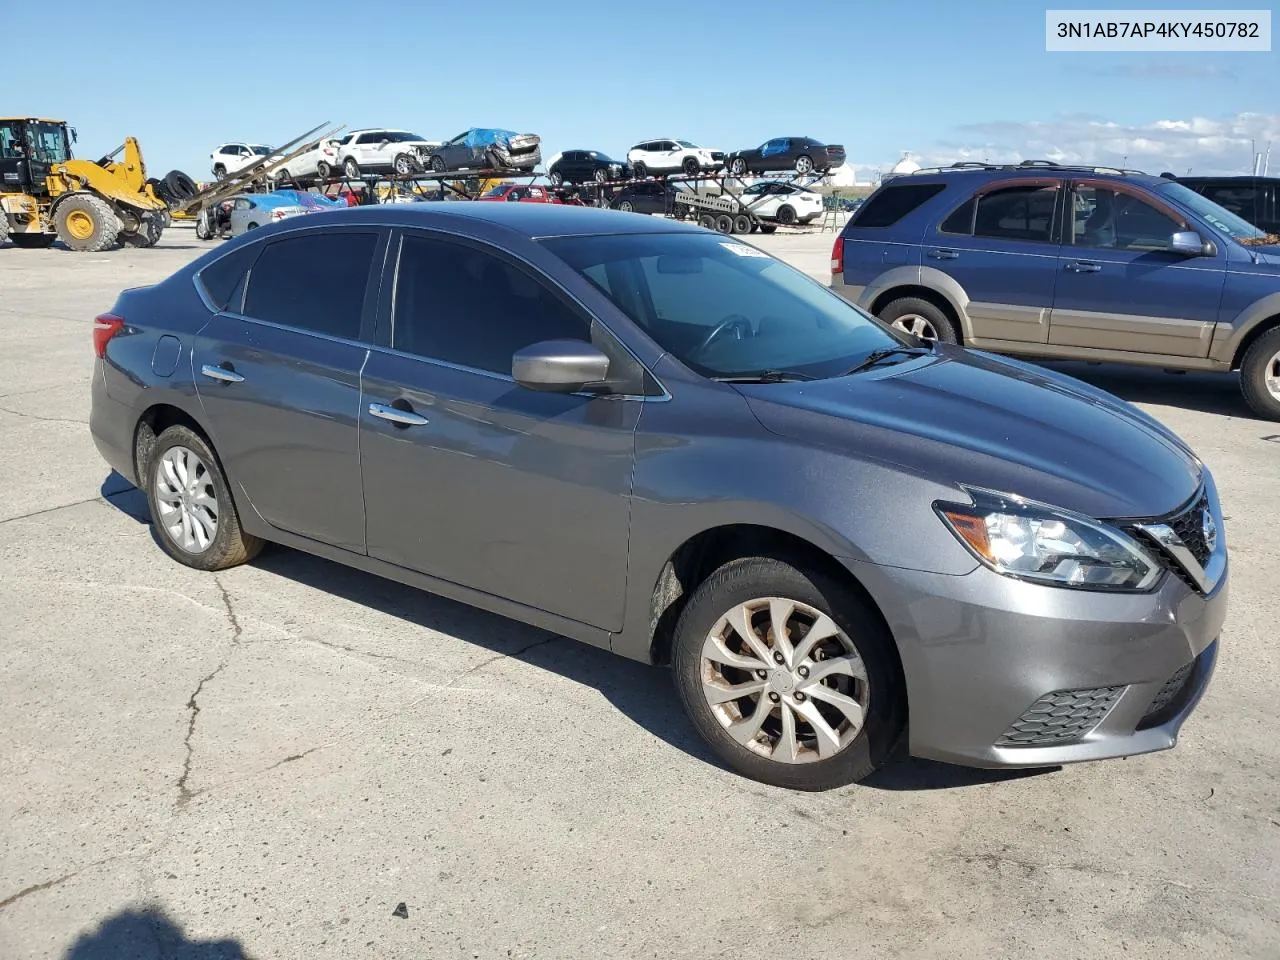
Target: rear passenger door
1120 288
1001 247
279 380
474 479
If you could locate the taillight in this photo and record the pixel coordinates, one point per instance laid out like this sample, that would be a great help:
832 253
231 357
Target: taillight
105 326
837 256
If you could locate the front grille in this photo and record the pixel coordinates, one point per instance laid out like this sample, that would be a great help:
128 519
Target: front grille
1061 717
1170 697
1188 524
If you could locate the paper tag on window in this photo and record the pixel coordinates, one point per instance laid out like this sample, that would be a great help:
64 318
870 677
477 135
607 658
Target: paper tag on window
743 250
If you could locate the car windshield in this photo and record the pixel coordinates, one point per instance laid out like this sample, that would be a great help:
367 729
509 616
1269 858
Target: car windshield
724 308
687 145
604 157
1217 217
498 191
394 136
260 150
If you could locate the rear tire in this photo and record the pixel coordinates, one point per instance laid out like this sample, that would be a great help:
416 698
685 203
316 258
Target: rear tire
640 171
1260 375
87 224
351 168
738 167
556 178
786 215
861 702
768 228
323 171
169 495
626 206
920 318
219 172
804 165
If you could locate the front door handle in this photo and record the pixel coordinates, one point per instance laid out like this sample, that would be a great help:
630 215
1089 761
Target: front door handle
1080 266
225 374
401 418
943 254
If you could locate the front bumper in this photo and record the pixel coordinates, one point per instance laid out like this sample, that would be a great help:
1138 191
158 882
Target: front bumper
1002 673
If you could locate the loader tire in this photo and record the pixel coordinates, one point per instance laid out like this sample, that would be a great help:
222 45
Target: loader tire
87 224
148 235
179 185
4 228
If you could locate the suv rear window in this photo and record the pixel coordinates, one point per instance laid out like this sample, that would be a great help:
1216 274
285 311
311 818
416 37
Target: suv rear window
891 204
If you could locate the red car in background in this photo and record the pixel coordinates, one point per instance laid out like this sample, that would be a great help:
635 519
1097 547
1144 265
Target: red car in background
520 193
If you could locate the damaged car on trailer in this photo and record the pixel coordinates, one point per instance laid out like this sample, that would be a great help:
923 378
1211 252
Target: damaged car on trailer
483 148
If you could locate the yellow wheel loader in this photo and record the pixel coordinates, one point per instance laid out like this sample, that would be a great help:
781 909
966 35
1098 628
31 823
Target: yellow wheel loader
46 194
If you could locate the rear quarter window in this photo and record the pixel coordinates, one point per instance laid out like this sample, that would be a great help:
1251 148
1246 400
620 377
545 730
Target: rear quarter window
223 280
893 203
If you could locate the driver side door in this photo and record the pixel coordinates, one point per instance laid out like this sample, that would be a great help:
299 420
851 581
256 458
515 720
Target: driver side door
1120 288
481 482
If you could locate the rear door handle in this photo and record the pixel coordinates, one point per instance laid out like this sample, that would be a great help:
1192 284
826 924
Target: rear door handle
1080 266
943 254
401 418
225 374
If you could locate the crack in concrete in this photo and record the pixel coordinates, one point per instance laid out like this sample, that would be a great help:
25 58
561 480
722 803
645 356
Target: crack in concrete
36 416
58 881
185 793
500 656
104 498
355 651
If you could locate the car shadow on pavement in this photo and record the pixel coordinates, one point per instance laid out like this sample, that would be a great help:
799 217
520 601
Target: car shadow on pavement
643 693
640 692
148 935
1204 392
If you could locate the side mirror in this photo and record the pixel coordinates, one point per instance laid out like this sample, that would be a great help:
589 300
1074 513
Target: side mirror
1189 244
559 366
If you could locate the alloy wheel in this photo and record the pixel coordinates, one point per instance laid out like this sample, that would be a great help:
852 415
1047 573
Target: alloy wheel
804 165
784 681
186 500
916 325
1271 376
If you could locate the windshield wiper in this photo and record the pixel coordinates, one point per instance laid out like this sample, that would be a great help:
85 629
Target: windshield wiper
764 376
877 356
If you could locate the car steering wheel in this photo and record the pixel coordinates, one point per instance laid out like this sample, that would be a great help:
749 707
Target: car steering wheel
735 321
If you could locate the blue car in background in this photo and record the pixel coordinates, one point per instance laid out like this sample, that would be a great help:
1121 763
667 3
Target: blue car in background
252 210
1079 263
485 148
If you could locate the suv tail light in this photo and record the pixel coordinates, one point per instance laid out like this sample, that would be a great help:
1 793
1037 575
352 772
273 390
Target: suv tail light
837 256
105 326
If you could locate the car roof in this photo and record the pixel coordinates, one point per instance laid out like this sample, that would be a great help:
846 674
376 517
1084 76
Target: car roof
1030 170
531 220
1241 178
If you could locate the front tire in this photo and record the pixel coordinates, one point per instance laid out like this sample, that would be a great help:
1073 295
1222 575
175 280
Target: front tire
192 513
601 175
789 676
640 171
786 215
87 224
738 167
626 206
920 318
1260 375
438 165
691 166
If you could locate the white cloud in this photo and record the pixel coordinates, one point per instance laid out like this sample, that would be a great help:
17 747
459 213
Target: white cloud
1204 144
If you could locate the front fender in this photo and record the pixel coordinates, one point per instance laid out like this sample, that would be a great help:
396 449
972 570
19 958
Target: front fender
1227 338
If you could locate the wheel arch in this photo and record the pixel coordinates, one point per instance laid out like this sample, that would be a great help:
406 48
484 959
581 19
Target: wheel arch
155 420
1266 320
960 319
705 552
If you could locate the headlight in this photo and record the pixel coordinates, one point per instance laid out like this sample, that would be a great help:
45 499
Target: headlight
1034 541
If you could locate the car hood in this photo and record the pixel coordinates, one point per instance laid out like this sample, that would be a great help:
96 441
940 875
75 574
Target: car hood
970 418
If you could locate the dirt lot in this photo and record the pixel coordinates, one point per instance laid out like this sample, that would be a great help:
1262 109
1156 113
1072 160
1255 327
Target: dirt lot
266 762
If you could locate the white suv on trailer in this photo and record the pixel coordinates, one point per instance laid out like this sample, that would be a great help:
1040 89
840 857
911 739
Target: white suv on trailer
382 150
672 156
229 158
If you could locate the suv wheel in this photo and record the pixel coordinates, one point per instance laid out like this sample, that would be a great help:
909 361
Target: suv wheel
920 318
194 518
1260 375
788 675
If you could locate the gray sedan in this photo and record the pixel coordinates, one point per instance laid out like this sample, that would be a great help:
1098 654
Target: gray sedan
664 442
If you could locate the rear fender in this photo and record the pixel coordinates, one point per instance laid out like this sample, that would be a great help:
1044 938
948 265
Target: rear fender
913 276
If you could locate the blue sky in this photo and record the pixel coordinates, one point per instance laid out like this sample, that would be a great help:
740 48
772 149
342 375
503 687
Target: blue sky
945 80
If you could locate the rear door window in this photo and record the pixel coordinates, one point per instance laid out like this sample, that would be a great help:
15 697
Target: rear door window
314 282
1017 213
892 203
223 280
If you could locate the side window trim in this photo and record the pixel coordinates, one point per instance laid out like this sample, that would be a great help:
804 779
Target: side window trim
387 302
369 307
